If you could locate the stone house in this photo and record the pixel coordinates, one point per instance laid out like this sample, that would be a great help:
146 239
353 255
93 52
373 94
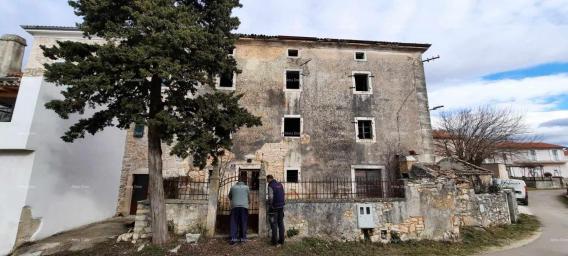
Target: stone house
330 108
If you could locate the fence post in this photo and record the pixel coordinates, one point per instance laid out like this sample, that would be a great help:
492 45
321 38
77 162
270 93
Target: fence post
262 229
212 199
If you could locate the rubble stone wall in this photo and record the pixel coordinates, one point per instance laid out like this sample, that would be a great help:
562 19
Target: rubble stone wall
433 210
184 216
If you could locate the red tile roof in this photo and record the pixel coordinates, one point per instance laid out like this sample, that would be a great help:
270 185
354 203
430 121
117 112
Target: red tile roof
529 145
440 134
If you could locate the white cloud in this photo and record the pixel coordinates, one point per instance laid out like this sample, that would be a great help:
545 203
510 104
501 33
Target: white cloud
529 97
473 38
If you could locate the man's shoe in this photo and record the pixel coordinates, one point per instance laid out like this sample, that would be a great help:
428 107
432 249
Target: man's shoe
233 242
278 245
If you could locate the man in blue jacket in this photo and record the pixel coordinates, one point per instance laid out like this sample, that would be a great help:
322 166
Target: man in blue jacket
275 205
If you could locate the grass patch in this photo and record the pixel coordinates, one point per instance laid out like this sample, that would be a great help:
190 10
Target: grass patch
474 240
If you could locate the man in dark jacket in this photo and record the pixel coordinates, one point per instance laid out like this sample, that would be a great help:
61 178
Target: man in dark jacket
276 210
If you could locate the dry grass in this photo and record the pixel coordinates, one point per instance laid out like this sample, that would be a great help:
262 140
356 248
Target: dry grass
474 240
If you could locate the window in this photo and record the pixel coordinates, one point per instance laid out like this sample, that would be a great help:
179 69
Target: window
293 80
8 95
226 81
292 175
360 56
139 130
555 155
368 182
292 126
362 82
293 53
365 128
532 155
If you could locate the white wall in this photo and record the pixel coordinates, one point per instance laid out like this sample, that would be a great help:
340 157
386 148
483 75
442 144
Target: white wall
14 134
15 171
73 183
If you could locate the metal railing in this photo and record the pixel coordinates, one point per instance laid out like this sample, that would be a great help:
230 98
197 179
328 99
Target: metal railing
186 188
344 189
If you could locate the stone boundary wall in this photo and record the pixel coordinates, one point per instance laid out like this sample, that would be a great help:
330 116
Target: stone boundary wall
184 216
485 209
431 209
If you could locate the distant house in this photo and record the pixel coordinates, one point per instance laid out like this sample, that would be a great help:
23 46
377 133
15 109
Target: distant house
532 159
529 159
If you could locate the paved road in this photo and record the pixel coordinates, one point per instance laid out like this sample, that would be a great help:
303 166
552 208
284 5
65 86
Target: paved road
554 216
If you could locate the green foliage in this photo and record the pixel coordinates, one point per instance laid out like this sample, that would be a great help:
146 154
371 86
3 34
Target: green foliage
292 232
178 44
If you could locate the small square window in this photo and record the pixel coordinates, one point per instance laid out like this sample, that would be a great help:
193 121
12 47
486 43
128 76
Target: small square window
138 130
292 126
361 56
365 129
293 53
226 80
361 82
292 79
292 176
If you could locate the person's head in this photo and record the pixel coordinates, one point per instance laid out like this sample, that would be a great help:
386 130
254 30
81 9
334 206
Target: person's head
242 178
269 178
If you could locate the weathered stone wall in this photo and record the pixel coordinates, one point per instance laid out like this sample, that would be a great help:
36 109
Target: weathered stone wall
431 210
484 209
327 146
135 161
184 216
338 220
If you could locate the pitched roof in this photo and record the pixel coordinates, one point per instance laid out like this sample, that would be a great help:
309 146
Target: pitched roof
415 46
528 145
441 134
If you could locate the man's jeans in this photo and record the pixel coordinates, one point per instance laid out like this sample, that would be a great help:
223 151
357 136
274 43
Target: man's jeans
239 224
276 218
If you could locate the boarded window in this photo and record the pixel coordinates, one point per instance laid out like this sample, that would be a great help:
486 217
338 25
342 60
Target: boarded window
365 129
292 176
292 80
292 126
293 53
226 80
360 56
361 82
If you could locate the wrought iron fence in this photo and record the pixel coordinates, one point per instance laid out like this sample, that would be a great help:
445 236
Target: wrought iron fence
344 189
186 188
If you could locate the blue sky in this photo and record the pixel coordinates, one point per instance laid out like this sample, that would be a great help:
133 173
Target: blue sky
507 53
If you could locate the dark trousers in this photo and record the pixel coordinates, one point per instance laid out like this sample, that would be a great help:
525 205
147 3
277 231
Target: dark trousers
239 223
276 218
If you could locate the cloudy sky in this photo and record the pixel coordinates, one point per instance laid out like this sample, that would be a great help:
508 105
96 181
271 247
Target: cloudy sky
507 53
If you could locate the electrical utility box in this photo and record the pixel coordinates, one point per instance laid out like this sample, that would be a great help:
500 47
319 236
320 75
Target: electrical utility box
365 215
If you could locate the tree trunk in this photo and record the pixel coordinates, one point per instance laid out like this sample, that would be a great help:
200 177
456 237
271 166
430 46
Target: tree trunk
156 189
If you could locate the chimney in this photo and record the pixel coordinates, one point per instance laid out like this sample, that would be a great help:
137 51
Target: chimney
11 55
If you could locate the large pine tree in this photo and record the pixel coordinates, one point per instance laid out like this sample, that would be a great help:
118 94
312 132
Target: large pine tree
158 58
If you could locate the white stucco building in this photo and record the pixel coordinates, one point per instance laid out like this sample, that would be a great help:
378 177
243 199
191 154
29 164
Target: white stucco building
63 185
532 159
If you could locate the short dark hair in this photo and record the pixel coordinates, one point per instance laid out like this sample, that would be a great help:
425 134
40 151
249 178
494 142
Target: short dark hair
269 177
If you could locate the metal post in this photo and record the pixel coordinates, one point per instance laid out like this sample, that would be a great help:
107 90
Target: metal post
262 210
213 199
